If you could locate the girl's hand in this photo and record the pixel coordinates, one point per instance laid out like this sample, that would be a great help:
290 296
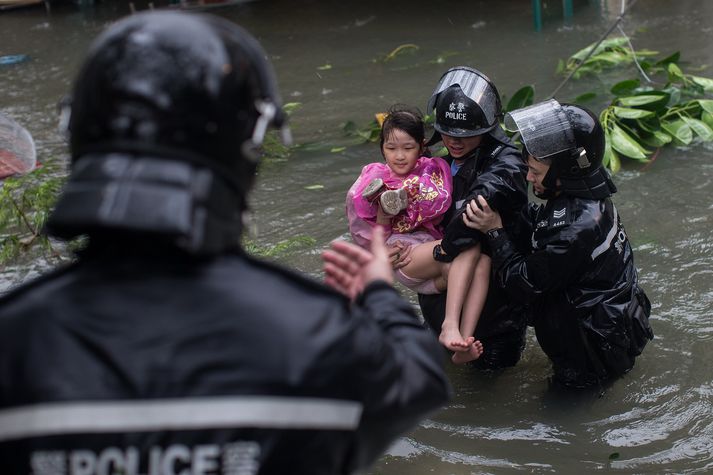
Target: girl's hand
399 254
482 217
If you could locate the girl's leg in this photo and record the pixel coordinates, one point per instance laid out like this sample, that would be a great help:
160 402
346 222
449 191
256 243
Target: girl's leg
460 277
474 303
477 293
422 265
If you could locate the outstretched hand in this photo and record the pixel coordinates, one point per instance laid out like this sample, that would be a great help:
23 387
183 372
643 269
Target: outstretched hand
478 215
348 268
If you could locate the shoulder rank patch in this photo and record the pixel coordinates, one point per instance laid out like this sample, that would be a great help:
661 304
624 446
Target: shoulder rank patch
559 217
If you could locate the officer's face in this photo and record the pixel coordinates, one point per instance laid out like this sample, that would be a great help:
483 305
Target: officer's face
460 147
536 172
401 152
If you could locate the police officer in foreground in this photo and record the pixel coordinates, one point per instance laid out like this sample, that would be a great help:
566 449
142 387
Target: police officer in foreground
591 317
165 348
484 162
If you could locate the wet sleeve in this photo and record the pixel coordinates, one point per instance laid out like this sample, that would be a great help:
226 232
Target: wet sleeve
527 274
400 371
502 184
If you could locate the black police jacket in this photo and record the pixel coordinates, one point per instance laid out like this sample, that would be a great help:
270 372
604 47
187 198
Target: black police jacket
163 364
498 173
589 313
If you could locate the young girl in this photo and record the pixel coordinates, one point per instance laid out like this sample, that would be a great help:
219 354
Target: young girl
408 196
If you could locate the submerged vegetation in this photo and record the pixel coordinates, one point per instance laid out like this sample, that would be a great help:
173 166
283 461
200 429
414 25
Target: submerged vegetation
24 207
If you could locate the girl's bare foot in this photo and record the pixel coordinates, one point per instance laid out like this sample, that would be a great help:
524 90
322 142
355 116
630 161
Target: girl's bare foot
451 338
473 353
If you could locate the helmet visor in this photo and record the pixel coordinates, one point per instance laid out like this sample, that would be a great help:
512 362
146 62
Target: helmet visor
544 128
17 149
474 85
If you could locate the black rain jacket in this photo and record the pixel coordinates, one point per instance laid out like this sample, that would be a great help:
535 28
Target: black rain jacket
589 313
162 363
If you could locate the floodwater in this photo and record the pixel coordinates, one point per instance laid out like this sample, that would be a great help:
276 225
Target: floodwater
656 419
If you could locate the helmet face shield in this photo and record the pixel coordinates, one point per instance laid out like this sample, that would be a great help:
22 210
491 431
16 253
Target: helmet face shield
476 86
544 128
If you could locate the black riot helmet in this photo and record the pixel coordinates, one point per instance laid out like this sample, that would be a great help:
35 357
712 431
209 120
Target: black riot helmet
571 140
466 103
166 117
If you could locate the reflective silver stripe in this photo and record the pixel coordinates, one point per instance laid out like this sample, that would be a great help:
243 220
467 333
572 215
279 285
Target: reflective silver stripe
610 236
178 414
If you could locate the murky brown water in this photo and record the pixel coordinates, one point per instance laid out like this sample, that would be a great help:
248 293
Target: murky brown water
658 418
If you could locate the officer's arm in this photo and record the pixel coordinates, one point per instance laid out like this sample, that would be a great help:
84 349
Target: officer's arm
525 275
503 186
399 371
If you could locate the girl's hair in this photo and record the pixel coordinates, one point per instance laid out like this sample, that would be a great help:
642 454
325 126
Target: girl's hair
406 118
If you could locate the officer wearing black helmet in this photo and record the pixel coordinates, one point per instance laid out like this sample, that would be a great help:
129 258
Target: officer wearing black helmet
165 348
589 313
484 162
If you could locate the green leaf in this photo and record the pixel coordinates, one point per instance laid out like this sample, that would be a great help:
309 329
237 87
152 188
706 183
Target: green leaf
625 87
650 101
679 130
706 105
337 149
522 98
674 72
586 97
625 144
707 117
612 58
700 128
606 44
629 113
674 58
656 139
611 159
560 67
290 107
705 83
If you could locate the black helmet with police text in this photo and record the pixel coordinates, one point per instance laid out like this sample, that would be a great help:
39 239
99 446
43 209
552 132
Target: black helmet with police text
466 103
571 140
165 121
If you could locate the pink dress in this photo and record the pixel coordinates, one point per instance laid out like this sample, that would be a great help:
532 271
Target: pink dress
429 187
